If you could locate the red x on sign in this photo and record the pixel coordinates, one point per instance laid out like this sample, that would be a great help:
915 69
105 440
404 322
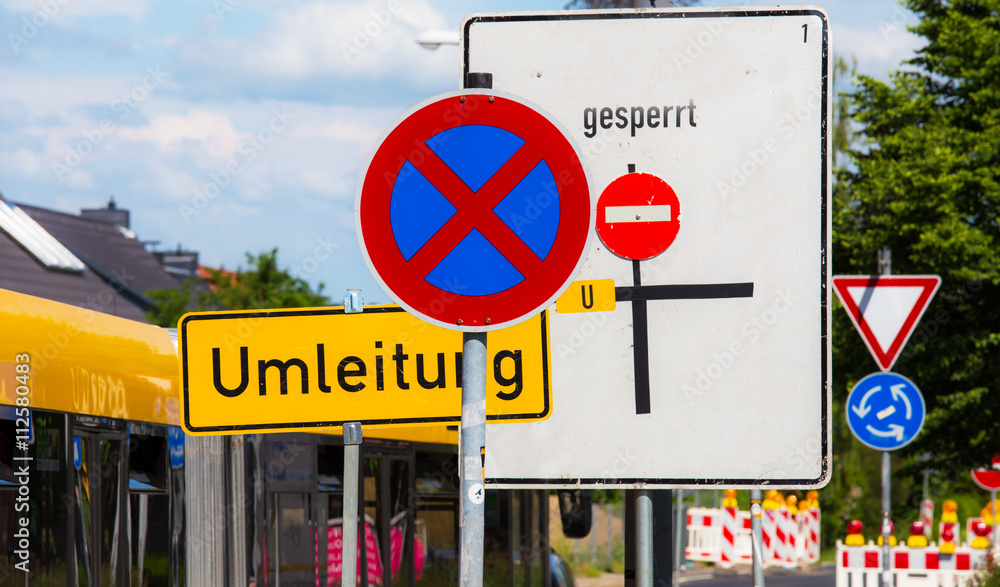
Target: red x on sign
474 211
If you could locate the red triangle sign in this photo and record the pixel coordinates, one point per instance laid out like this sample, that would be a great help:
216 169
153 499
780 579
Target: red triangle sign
885 309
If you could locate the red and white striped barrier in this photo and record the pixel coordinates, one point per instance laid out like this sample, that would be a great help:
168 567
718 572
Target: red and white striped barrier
970 529
927 517
769 536
707 537
810 534
786 535
730 523
953 526
711 540
911 567
704 527
744 540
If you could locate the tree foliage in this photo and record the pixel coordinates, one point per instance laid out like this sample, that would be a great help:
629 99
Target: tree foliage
263 285
171 304
924 179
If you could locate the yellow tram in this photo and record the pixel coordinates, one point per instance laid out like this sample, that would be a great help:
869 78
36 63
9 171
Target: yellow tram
94 465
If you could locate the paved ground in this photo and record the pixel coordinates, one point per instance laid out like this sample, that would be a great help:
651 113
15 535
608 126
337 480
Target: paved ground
707 577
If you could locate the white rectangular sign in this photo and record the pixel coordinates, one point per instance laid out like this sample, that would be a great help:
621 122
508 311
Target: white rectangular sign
711 365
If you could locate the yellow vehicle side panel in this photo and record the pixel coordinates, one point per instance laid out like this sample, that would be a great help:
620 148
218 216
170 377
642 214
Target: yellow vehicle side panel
86 362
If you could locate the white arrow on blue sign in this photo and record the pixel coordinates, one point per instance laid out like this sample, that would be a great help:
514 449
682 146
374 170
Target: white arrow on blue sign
885 411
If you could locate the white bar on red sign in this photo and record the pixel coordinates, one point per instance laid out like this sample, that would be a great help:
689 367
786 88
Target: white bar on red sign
637 214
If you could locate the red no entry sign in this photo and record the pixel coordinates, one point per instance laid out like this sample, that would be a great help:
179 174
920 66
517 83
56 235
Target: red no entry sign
638 216
474 211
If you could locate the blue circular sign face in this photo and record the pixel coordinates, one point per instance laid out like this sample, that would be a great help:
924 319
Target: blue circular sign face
885 411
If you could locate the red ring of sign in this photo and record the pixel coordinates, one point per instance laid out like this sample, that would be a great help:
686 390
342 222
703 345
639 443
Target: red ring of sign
543 279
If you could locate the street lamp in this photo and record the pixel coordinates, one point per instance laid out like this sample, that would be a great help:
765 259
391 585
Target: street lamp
431 40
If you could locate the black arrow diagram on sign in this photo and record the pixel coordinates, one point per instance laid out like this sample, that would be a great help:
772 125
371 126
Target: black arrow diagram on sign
639 294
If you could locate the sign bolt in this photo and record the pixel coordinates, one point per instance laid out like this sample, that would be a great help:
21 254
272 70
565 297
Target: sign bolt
462 99
459 322
491 99
487 320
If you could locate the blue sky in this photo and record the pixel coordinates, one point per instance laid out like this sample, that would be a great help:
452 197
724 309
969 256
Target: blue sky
229 126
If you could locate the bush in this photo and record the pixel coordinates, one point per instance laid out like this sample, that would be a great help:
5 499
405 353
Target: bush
990 577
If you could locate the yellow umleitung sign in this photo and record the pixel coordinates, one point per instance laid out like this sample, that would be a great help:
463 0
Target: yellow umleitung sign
273 370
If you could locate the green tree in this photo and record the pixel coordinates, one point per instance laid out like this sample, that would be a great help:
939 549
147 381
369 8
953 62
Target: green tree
924 179
263 285
170 304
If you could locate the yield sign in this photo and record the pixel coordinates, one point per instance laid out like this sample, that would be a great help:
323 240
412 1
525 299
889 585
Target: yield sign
885 309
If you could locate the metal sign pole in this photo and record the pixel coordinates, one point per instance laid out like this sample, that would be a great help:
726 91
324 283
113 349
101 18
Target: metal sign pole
472 458
886 579
885 268
644 539
679 529
352 462
996 514
755 536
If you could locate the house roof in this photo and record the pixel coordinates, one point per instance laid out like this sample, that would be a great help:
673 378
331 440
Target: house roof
119 270
103 246
23 274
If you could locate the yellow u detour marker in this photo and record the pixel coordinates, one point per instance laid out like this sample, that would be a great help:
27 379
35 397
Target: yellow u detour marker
594 295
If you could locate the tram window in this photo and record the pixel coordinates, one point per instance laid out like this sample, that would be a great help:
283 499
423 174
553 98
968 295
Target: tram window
436 544
149 539
330 467
7 438
48 495
147 463
436 473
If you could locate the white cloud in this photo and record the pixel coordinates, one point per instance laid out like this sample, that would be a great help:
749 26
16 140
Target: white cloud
213 132
83 8
22 162
366 40
877 50
345 130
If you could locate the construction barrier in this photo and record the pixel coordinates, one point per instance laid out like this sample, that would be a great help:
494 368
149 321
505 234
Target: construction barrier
707 537
731 526
809 530
927 517
859 566
970 528
790 539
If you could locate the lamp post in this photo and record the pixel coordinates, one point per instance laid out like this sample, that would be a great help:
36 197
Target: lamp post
431 40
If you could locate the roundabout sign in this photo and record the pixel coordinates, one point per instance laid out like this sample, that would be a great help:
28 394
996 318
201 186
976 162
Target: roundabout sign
885 411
